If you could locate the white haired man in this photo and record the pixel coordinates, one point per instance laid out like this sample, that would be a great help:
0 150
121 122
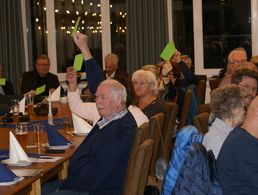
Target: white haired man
98 166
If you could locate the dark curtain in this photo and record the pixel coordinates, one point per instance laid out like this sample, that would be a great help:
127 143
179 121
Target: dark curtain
147 32
11 40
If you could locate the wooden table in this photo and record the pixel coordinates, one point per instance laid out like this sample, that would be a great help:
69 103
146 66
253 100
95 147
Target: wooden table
50 169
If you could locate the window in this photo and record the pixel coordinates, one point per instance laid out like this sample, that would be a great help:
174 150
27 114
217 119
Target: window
39 28
226 25
183 27
66 15
118 30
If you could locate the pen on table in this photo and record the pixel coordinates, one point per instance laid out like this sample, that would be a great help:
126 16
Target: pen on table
46 157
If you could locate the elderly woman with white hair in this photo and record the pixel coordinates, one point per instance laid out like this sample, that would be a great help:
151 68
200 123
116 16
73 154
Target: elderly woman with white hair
145 85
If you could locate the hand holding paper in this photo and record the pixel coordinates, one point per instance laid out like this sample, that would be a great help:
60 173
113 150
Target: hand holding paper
77 64
40 89
76 26
168 51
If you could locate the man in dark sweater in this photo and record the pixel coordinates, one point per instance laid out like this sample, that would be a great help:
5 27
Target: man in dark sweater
40 76
237 162
98 166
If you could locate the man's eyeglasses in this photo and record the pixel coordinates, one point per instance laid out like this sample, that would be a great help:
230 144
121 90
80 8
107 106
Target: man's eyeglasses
140 83
171 73
248 87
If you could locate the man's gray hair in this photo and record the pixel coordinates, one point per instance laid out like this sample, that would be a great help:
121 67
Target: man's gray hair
225 99
234 51
117 89
44 57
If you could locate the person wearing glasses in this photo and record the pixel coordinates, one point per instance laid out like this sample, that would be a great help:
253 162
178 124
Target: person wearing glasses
145 85
40 76
247 78
235 57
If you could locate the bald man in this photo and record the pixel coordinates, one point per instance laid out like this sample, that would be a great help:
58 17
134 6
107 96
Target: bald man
237 162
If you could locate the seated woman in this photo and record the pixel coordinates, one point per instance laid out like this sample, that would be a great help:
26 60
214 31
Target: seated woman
227 105
145 86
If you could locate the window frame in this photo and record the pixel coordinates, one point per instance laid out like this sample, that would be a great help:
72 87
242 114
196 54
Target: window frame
106 34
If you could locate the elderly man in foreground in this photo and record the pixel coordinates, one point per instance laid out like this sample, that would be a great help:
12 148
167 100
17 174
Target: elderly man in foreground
98 166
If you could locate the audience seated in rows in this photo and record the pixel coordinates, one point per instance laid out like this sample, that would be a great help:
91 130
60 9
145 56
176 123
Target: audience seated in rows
88 110
227 106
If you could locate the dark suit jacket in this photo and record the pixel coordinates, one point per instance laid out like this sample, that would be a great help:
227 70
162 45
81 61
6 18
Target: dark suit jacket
120 75
8 88
31 81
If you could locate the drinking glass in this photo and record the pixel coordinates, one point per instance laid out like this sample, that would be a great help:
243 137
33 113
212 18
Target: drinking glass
67 124
21 134
15 106
29 103
38 130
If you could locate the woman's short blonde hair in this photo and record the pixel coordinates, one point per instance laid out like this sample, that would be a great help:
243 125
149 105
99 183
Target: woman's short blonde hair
225 99
148 77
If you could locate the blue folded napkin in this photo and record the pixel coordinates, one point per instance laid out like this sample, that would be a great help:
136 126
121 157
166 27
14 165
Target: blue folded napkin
6 175
4 154
54 137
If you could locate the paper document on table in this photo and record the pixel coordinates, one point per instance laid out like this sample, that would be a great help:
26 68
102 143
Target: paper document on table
42 159
27 172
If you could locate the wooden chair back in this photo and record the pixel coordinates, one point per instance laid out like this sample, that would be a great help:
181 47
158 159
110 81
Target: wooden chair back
136 181
141 134
201 89
214 83
204 108
168 130
186 108
155 126
201 122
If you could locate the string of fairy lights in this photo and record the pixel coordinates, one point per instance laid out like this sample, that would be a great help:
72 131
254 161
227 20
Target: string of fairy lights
90 20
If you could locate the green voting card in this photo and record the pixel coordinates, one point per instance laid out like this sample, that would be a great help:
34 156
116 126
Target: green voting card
2 81
77 64
76 26
168 51
40 89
